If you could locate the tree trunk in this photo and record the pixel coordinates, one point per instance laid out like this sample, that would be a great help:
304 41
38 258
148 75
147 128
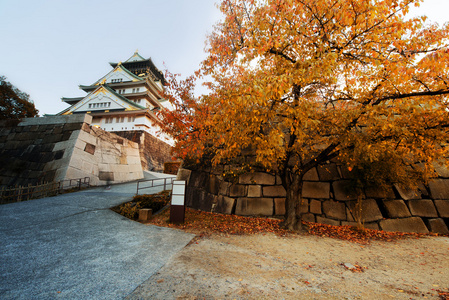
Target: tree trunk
293 188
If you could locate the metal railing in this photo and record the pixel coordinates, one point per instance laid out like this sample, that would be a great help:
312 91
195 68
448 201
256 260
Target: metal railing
150 183
24 193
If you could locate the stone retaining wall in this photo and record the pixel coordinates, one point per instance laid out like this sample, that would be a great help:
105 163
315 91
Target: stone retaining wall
64 147
153 152
326 199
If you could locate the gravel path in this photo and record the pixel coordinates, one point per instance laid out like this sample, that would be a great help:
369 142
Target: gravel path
301 267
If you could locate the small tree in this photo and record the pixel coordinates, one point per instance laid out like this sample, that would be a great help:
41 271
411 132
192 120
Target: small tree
15 104
303 82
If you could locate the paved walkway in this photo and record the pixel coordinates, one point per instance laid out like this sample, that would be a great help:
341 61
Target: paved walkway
73 247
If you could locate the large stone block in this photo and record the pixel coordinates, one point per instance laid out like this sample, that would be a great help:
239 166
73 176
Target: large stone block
413 224
198 178
237 190
343 190
91 139
316 190
183 174
315 207
224 205
441 169
257 178
334 209
422 208
396 208
224 188
311 175
443 208
345 173
254 206
349 215
374 226
439 188
328 172
279 206
205 201
213 184
379 193
408 194
437 226
370 210
254 191
327 221
308 218
274 191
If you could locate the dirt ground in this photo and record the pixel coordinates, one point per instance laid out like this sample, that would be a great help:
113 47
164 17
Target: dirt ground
266 266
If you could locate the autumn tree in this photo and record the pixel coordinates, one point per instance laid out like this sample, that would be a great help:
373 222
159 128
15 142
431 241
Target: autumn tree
14 104
303 82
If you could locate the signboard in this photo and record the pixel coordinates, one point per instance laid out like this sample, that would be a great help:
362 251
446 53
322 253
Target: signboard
177 206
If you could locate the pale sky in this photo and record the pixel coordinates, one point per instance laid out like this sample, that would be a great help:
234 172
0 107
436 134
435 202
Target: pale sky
49 47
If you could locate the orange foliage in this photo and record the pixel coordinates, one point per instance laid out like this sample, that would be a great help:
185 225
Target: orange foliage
303 82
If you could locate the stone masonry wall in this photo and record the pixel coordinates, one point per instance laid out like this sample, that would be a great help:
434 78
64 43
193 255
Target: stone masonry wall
326 199
64 147
153 152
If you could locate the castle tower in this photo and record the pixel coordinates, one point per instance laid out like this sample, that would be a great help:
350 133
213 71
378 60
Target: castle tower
125 101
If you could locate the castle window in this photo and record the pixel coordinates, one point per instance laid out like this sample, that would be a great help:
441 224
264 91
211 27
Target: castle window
90 105
137 90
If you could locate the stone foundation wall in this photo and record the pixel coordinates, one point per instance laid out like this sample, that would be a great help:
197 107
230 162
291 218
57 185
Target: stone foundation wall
64 147
327 199
153 152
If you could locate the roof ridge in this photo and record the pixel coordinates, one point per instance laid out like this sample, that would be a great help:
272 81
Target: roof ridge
136 54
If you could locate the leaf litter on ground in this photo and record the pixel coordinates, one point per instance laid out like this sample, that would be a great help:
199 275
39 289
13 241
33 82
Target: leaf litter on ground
206 223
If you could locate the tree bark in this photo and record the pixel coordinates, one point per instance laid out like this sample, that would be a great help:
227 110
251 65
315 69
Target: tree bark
293 188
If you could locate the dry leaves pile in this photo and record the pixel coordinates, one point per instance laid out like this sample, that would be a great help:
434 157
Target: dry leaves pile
205 223
361 236
201 222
